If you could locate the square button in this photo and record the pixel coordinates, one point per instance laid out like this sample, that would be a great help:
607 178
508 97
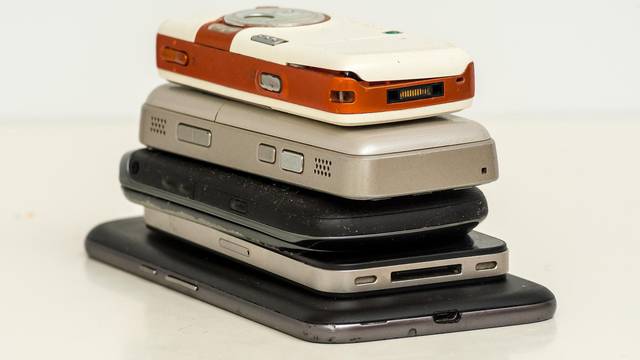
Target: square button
291 161
266 153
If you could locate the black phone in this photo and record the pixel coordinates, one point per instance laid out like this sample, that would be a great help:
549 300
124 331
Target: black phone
295 214
356 270
129 245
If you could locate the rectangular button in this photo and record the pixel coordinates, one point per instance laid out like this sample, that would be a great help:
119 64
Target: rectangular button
291 161
194 135
231 246
266 153
270 82
180 282
267 39
174 56
238 205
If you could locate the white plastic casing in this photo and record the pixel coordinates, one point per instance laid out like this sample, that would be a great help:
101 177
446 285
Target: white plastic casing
342 45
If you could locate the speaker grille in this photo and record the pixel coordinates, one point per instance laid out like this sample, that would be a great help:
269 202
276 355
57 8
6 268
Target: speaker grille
322 167
158 125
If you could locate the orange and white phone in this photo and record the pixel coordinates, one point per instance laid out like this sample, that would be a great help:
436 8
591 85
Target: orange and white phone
316 66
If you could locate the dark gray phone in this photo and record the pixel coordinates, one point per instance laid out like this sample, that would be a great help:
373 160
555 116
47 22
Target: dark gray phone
129 245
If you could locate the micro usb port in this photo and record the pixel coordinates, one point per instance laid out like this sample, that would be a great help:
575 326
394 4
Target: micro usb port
447 317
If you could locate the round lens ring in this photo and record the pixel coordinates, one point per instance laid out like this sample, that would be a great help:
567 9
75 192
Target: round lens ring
274 17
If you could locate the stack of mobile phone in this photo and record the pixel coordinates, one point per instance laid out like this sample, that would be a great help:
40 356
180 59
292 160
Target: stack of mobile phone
303 172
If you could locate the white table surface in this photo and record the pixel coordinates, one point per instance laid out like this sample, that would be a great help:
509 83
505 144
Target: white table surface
567 203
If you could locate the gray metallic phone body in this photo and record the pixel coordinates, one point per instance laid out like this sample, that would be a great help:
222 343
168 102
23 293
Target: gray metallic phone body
369 162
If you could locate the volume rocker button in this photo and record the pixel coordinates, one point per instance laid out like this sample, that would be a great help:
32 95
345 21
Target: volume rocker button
185 284
148 270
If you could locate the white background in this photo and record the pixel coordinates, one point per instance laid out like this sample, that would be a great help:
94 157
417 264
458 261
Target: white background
557 87
66 59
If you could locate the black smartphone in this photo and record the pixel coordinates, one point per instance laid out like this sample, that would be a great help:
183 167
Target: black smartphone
295 214
129 245
356 270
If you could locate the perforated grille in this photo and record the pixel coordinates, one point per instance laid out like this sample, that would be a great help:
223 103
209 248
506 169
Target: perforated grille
158 125
322 167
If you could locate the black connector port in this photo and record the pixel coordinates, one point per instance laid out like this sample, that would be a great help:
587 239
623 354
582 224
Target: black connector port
426 273
447 317
418 92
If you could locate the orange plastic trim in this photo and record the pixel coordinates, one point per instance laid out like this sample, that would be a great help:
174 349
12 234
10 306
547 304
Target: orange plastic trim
220 38
301 85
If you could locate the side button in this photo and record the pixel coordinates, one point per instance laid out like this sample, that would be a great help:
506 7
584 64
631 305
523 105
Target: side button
266 153
194 135
238 205
174 56
231 246
291 161
148 270
180 282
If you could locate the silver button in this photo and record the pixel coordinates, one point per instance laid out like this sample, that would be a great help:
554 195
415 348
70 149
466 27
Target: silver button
231 246
292 161
266 153
148 270
364 280
194 135
180 282
270 82
268 39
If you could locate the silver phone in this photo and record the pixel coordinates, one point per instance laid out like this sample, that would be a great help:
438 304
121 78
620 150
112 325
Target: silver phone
369 162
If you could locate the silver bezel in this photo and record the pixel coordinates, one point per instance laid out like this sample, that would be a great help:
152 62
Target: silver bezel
196 227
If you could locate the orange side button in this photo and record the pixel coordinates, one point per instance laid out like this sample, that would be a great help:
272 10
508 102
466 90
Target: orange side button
174 56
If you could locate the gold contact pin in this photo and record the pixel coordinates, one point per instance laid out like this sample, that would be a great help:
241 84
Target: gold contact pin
413 93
